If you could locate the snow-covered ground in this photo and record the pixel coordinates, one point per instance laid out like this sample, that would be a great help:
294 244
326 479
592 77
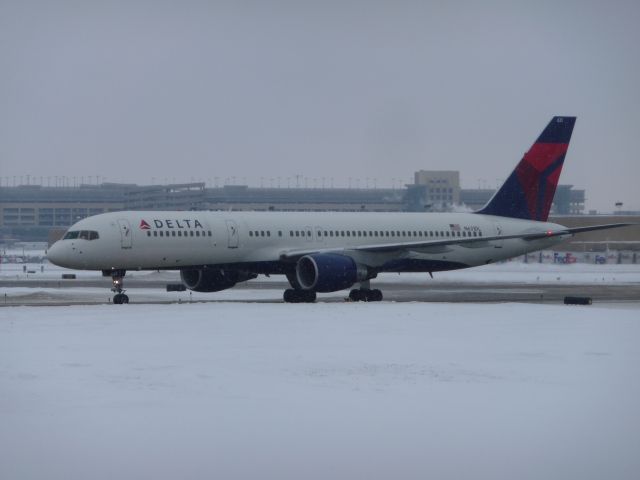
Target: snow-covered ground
383 390
503 272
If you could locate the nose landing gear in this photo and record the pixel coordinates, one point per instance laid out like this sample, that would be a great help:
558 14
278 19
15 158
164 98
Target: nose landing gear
117 286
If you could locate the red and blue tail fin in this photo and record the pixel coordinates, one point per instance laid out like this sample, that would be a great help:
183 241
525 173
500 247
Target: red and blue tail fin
529 190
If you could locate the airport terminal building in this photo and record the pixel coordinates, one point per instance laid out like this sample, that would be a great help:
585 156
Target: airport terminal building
41 213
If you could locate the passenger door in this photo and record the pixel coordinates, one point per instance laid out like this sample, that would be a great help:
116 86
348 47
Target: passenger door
126 236
233 235
498 243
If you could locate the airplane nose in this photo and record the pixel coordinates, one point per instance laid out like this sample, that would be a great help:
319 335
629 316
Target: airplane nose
56 254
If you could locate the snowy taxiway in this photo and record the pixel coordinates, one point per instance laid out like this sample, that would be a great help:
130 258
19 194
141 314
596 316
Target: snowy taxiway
329 390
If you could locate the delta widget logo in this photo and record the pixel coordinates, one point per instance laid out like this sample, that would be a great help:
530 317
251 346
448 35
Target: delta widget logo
144 225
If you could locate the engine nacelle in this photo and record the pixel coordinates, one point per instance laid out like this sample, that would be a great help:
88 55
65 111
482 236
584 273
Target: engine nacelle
213 279
328 272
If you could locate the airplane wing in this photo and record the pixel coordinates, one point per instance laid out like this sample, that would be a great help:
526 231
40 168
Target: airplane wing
469 242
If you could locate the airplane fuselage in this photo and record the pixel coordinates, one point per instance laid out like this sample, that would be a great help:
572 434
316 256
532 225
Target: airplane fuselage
150 240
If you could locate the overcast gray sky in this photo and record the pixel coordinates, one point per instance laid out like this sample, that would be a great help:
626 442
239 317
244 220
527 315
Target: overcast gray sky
133 91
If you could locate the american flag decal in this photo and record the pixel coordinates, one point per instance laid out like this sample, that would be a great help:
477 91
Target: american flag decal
455 227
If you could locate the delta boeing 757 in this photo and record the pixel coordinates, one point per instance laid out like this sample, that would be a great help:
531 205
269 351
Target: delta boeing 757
327 251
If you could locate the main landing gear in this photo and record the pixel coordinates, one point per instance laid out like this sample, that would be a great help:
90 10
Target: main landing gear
299 296
365 295
117 284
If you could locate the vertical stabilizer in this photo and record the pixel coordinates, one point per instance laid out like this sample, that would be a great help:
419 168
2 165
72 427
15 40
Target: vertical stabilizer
529 190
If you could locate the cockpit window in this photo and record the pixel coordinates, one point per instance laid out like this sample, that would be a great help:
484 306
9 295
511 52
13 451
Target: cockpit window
82 234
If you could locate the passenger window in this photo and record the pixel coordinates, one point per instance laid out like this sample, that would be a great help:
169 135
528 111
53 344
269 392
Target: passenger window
155 233
268 233
191 233
197 233
209 232
173 233
262 233
291 233
348 233
179 233
161 233
309 233
251 233
279 233
297 233
148 233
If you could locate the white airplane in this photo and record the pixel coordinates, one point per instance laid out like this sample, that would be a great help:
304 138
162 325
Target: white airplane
328 251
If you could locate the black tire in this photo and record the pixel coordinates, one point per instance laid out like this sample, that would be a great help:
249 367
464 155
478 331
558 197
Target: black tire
299 296
291 296
117 299
375 295
355 295
124 298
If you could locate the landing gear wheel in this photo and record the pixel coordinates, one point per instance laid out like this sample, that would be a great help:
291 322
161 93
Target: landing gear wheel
120 298
365 295
299 296
355 295
117 277
375 295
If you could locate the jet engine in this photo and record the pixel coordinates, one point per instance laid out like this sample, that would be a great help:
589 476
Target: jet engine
213 279
329 272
